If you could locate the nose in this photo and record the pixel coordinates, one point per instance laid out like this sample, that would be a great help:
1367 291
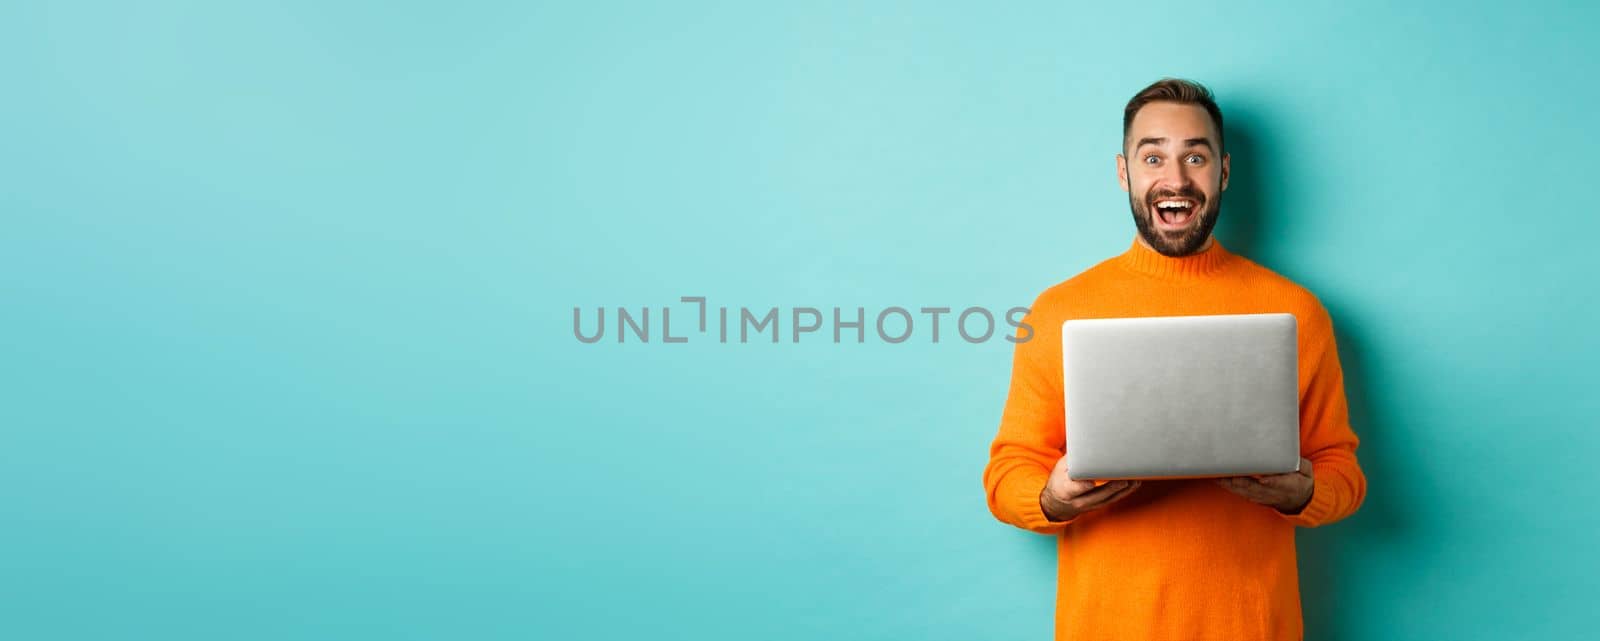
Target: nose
1176 177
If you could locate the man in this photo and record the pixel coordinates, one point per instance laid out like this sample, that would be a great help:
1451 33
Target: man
1173 559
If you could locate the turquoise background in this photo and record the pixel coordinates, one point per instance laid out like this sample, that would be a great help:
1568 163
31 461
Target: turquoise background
287 347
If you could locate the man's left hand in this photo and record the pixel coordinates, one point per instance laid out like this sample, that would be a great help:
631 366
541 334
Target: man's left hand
1288 493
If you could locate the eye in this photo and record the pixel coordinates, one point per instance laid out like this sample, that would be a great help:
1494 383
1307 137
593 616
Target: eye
1195 159
1152 159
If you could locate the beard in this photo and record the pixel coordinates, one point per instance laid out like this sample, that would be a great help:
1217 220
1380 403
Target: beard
1181 243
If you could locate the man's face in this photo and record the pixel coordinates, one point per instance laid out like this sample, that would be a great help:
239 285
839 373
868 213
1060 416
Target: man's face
1173 176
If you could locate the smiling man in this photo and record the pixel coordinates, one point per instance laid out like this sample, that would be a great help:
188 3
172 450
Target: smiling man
1176 559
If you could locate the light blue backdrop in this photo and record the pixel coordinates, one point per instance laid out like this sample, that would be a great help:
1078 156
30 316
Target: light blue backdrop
287 298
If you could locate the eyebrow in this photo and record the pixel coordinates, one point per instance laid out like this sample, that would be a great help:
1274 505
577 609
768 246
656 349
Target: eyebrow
1204 142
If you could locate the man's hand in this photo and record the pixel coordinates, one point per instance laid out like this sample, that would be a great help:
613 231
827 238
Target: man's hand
1288 493
1064 499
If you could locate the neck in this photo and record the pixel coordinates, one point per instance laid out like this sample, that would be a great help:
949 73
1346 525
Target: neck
1202 264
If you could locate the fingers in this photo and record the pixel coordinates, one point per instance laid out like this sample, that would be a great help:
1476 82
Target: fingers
1077 489
1067 487
1105 494
1254 482
1242 485
1120 494
1084 495
1268 489
1283 481
1086 489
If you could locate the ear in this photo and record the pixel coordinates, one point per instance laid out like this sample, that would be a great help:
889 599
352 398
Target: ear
1225 163
1122 172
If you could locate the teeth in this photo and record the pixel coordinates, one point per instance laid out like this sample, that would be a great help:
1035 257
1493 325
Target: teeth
1172 204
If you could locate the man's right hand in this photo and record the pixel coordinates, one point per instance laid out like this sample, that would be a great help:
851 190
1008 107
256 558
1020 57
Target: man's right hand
1063 499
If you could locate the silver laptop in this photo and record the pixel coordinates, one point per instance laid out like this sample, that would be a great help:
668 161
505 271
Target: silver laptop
1181 396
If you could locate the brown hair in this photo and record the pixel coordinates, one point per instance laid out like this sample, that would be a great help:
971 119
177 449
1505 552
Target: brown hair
1178 90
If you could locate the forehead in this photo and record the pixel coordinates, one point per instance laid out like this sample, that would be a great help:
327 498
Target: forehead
1173 121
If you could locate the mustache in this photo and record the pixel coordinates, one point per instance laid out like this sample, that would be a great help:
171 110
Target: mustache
1191 194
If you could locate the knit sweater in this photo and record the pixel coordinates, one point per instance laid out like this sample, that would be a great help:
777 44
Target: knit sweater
1176 559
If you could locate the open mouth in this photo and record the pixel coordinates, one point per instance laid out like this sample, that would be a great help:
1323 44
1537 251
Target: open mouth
1175 212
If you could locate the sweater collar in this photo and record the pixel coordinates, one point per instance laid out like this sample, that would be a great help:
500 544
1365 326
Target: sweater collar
1150 262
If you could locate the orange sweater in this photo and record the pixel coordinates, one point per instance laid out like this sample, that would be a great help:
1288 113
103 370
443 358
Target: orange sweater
1177 559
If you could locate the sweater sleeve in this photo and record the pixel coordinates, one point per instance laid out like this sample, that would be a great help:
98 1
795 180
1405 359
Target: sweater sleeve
1031 437
1338 485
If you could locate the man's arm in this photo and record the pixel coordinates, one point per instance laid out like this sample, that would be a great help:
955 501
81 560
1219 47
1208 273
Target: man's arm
1339 486
1031 438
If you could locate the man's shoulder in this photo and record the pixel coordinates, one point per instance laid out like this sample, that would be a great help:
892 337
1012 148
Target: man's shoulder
1283 291
1056 299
